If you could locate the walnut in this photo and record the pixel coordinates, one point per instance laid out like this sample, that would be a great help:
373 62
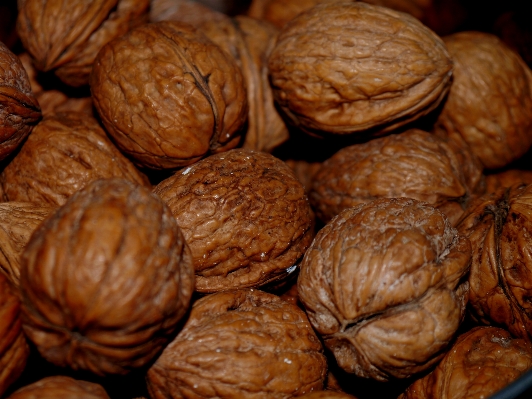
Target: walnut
490 101
346 68
19 109
507 178
480 363
18 220
55 387
244 215
14 349
383 284
499 226
168 95
64 153
243 343
106 279
67 39
414 164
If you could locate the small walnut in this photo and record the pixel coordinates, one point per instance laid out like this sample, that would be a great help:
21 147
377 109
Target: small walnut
64 152
383 284
106 279
237 344
56 387
244 215
348 68
480 363
168 95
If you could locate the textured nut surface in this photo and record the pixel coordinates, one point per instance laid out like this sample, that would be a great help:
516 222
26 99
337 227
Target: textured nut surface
168 95
192 12
60 387
353 67
65 152
480 363
382 284
236 344
244 215
507 178
19 109
106 279
490 101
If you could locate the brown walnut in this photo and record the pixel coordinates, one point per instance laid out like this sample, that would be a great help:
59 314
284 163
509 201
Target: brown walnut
192 12
244 215
168 95
236 344
106 279
383 284
57 387
507 178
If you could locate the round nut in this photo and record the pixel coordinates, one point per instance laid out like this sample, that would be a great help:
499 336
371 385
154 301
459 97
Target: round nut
55 387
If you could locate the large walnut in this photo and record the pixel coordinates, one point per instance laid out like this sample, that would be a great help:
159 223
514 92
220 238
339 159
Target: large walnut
59 387
480 363
66 37
383 284
19 109
237 344
349 68
244 215
499 226
106 279
65 152
490 101
168 95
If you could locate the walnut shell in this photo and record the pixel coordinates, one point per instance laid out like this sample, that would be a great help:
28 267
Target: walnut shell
57 387
19 109
490 101
64 152
383 285
106 279
507 178
244 215
192 12
236 344
480 363
66 39
168 95
347 68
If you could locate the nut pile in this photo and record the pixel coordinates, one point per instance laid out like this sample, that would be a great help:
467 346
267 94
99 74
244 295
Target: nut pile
316 199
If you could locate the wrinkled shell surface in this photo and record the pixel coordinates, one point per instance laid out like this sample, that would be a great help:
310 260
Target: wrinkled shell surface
244 215
236 344
353 67
60 387
480 363
382 285
64 153
168 95
106 279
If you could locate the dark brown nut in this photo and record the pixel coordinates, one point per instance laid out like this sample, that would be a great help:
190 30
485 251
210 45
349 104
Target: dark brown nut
64 152
18 221
244 215
106 279
413 164
348 68
507 178
499 226
250 42
14 349
236 344
193 12
67 39
168 95
480 363
58 387
383 285
490 101
19 109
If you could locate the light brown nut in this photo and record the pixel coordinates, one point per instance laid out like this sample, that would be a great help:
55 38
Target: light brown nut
490 101
56 387
347 68
383 284
168 95
480 363
65 152
237 344
19 109
106 279
244 215
66 39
